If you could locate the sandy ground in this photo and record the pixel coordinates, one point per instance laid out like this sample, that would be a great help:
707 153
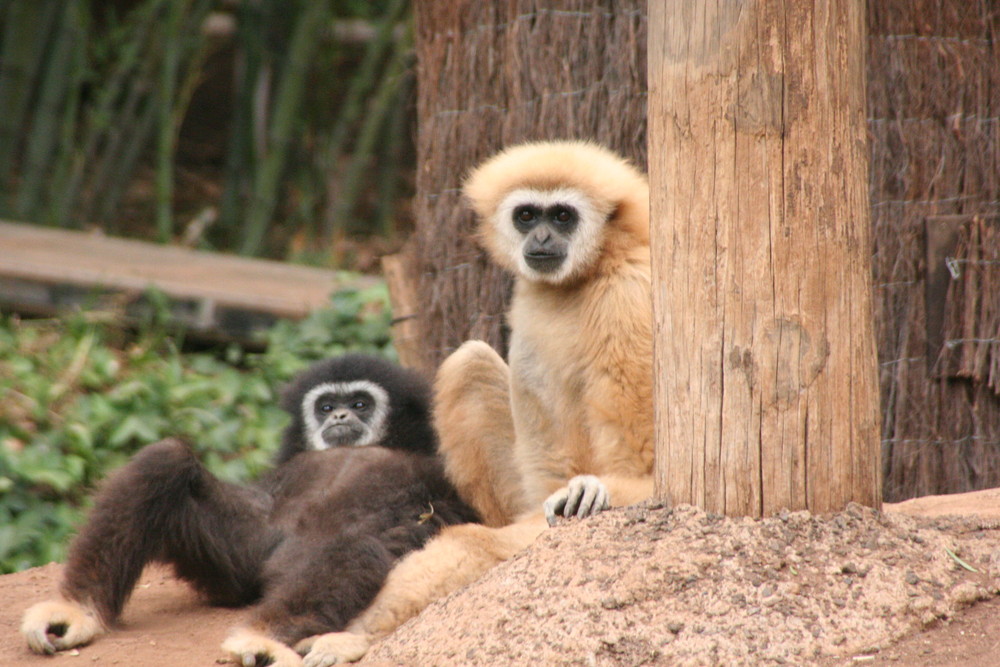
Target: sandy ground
650 585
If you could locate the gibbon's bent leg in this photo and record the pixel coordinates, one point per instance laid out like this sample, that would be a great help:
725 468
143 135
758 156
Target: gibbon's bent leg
473 417
353 568
472 414
162 506
458 556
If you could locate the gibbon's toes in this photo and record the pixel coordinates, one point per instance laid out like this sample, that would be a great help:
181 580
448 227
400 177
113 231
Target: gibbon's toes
336 648
56 625
251 649
583 496
305 645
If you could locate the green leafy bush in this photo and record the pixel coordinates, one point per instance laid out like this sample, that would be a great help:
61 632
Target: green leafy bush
79 395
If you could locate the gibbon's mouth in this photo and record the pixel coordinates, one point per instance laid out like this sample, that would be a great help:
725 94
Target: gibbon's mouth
339 435
544 262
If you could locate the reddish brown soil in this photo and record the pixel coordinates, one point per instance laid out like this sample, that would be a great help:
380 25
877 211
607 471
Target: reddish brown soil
855 588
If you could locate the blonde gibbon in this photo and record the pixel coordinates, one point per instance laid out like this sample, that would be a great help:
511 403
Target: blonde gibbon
566 429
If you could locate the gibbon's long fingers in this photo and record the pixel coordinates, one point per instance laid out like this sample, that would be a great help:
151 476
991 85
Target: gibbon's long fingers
251 649
303 646
576 496
336 648
583 496
592 493
56 625
587 496
555 504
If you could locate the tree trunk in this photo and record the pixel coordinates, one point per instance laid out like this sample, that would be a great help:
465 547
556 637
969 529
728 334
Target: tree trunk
765 364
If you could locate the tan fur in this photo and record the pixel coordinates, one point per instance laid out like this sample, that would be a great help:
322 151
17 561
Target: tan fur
472 405
245 646
576 398
81 624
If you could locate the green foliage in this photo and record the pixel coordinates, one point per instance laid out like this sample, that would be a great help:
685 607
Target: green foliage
79 397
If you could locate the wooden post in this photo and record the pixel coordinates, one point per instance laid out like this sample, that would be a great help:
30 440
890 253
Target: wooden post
405 311
766 377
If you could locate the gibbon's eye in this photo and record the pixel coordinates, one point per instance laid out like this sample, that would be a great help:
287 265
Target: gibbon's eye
326 407
359 405
526 217
562 216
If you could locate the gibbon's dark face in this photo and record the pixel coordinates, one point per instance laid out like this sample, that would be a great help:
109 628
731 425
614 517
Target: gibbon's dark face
357 400
345 414
551 236
548 232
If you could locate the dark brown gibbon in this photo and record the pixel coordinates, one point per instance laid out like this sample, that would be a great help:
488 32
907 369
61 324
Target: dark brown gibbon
357 484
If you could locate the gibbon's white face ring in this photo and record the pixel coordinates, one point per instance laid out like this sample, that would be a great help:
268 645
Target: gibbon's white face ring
376 424
585 243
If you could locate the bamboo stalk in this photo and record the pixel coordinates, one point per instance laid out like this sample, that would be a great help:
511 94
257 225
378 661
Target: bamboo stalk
68 158
287 103
165 135
185 45
364 147
104 121
122 141
122 163
56 86
354 104
28 28
240 155
391 148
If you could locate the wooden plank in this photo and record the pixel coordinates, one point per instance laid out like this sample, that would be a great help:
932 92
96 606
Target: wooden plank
44 269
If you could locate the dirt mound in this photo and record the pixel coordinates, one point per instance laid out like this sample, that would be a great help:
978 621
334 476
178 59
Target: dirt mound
649 585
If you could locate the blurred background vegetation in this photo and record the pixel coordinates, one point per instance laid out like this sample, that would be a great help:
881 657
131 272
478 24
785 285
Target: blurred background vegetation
277 128
82 393
268 128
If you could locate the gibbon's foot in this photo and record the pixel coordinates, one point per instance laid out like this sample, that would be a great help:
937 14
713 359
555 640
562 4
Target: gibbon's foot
56 625
334 648
583 496
251 649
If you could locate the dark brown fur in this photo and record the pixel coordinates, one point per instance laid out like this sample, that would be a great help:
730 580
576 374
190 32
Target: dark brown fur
313 540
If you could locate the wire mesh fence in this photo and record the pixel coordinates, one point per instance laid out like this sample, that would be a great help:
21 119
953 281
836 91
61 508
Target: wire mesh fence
492 74
934 105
